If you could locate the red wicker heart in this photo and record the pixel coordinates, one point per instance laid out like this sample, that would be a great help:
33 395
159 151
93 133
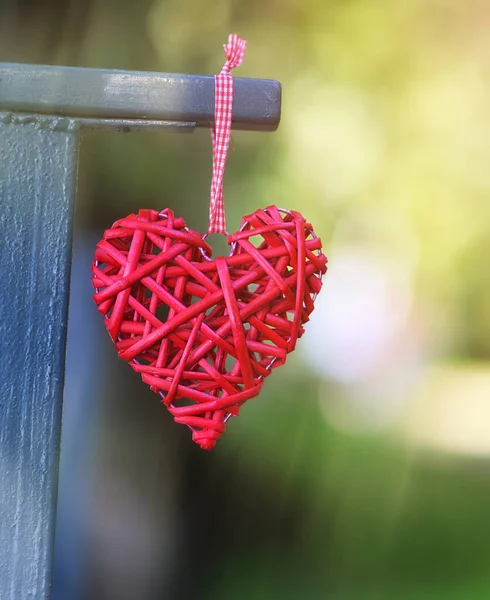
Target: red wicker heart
206 333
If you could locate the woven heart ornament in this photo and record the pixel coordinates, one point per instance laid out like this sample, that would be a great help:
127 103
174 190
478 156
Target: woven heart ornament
205 333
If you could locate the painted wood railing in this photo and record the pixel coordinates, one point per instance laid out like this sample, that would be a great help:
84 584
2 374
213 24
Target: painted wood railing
43 110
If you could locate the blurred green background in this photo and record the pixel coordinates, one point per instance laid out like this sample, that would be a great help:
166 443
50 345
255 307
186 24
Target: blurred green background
363 469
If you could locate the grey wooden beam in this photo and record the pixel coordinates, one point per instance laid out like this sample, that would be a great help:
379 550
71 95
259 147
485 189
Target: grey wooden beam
38 164
105 94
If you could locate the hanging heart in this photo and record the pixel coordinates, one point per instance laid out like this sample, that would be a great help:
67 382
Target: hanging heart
206 333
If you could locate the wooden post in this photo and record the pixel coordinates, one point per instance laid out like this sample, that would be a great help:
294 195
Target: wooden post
38 160
42 111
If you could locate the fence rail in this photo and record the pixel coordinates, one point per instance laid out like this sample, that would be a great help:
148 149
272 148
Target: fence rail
42 111
104 94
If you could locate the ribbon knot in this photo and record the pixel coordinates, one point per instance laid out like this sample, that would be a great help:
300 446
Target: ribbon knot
234 52
221 132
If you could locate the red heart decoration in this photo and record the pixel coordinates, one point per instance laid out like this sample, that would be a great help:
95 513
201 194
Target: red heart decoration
206 333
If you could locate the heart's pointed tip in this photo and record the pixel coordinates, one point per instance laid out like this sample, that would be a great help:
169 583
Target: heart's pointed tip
207 444
206 438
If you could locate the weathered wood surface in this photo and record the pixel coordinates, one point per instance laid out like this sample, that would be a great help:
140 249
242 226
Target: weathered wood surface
38 162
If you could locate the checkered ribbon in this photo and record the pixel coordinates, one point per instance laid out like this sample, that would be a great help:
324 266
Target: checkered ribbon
224 92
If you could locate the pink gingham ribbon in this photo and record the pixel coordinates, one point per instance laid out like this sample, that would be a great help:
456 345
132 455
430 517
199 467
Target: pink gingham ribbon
221 132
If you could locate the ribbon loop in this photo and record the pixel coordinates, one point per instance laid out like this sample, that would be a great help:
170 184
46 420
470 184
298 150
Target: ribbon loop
221 132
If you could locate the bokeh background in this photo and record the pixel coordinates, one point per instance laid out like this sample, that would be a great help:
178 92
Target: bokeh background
363 469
